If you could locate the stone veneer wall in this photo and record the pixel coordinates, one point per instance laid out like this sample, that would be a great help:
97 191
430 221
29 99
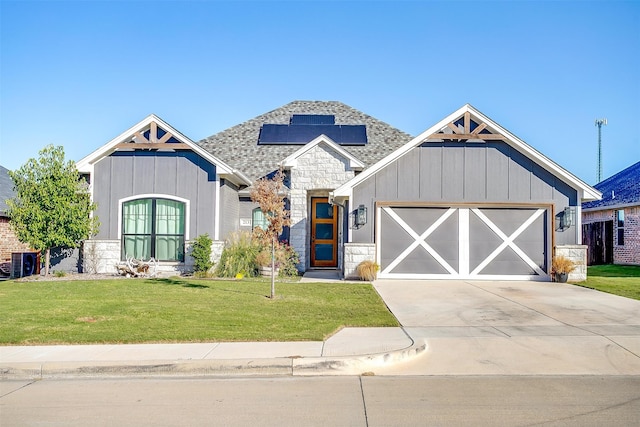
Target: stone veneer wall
354 254
318 171
101 256
577 254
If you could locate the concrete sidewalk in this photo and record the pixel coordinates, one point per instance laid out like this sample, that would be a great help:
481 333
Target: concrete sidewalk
351 351
449 328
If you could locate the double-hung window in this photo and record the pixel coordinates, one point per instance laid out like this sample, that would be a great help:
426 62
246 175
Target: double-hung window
153 228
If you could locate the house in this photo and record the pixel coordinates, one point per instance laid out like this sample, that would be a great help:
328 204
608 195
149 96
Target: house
611 226
464 199
9 243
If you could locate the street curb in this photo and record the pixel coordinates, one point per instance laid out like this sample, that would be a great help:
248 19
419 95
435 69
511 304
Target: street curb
282 366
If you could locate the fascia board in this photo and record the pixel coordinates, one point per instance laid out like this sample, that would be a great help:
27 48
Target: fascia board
291 160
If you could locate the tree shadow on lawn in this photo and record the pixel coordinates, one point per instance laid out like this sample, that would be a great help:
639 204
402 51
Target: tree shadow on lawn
187 284
182 283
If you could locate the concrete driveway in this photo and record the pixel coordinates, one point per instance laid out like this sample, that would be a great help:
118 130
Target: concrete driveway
515 328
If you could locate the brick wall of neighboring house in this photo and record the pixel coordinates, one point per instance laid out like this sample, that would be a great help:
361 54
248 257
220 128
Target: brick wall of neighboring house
9 242
629 252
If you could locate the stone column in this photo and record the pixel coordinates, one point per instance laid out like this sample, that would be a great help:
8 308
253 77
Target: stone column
577 254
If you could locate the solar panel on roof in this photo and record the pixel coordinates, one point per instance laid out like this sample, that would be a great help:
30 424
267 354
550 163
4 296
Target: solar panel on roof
304 128
274 134
312 119
353 135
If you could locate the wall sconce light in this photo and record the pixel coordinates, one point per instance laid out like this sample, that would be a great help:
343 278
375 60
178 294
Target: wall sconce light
568 217
361 215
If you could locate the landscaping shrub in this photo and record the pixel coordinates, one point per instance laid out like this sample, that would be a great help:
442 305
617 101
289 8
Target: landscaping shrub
288 259
201 253
239 256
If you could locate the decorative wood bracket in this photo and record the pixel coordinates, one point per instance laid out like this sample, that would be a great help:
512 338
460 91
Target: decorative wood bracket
140 142
466 133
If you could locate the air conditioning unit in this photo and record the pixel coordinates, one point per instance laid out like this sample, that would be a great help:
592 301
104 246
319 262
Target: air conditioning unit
24 264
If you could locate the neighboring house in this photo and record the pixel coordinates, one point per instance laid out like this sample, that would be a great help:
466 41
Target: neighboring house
611 226
8 241
465 199
62 259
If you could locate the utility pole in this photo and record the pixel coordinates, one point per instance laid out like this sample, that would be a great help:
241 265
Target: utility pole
599 123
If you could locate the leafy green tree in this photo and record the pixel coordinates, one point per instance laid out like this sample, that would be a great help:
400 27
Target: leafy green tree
52 206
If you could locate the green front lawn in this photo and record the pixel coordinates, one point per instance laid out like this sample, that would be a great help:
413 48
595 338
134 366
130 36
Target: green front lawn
182 310
623 280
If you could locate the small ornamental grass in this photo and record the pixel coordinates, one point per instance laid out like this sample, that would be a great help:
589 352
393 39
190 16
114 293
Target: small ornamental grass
562 264
245 253
239 256
368 270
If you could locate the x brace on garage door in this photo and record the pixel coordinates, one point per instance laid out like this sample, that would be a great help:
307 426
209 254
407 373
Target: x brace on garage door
462 242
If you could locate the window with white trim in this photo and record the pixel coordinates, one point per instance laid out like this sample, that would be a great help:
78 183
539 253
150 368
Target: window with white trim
620 227
153 228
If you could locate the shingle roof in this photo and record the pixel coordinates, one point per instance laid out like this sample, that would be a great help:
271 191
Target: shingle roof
622 188
238 146
6 189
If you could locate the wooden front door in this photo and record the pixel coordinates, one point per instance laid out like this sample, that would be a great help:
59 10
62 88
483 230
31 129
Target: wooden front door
324 233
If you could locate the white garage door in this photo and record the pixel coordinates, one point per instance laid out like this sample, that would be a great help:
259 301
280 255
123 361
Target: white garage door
463 242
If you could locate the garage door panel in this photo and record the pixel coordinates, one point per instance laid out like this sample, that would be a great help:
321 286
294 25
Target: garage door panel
419 219
508 223
507 263
395 238
507 220
419 261
463 242
533 241
445 240
482 241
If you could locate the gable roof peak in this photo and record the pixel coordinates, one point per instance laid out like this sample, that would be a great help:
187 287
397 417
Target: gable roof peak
291 161
135 133
586 192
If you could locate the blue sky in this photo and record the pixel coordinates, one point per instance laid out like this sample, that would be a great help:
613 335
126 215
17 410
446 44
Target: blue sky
79 73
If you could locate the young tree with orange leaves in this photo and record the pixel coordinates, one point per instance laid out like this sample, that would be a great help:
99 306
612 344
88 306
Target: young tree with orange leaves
269 195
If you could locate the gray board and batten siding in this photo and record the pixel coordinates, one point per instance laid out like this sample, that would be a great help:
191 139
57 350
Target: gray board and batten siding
182 174
470 173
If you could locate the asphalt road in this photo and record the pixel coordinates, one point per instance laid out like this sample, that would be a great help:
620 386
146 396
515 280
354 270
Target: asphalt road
325 401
